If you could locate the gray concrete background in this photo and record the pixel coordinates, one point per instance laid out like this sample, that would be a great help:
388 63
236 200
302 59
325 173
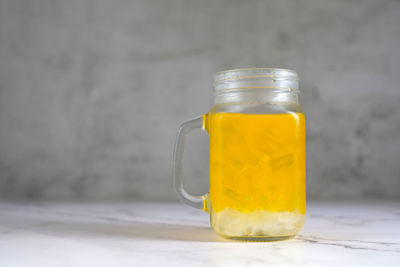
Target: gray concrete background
92 92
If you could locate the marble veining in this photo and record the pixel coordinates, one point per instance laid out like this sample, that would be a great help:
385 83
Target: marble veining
171 234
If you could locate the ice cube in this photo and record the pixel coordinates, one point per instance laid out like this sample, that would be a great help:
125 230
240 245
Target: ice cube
281 162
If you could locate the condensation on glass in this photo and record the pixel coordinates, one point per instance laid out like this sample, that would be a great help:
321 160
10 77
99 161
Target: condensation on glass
257 156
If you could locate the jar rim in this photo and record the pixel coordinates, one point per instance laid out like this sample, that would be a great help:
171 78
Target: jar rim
276 78
256 72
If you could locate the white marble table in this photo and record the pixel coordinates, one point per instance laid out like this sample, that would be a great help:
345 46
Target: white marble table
171 234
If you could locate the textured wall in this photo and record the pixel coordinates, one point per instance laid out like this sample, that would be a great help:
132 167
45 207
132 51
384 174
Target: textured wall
92 92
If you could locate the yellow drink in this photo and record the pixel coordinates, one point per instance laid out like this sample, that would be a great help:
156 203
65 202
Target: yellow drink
257 173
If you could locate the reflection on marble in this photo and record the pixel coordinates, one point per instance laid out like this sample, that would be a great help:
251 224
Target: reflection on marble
170 234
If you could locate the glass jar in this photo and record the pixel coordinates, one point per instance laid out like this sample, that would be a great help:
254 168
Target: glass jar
257 155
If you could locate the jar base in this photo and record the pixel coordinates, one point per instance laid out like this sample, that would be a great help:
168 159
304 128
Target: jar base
258 225
259 238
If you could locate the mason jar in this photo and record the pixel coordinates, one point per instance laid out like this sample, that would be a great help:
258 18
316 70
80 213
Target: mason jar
257 155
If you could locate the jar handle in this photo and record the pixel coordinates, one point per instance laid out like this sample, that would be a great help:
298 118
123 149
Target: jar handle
199 202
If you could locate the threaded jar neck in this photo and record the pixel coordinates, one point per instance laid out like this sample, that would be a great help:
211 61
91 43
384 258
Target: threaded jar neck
256 84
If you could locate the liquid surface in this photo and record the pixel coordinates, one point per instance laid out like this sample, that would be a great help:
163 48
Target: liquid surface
257 173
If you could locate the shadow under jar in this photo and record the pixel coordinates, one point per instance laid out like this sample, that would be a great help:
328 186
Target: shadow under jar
257 156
